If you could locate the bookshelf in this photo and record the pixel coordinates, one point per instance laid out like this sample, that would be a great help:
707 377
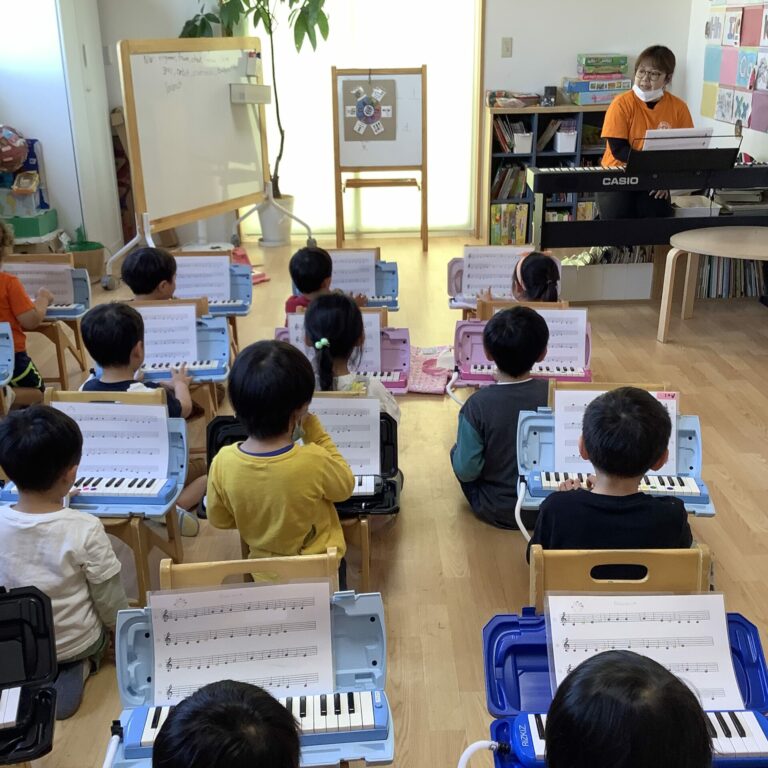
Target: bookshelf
497 199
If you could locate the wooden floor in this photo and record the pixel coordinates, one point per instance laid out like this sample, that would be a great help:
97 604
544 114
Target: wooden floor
442 573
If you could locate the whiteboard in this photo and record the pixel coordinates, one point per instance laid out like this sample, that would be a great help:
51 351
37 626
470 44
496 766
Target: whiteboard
193 152
406 148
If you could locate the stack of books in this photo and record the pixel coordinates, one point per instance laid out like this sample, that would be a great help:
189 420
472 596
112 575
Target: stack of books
505 130
729 278
508 182
509 223
601 77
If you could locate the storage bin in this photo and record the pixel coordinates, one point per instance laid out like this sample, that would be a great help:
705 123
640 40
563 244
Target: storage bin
523 143
565 141
695 205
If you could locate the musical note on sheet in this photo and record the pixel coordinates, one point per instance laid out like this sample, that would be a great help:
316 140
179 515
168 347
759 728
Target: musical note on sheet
57 278
490 267
105 426
567 337
354 272
570 405
253 642
687 634
370 357
338 415
203 276
170 333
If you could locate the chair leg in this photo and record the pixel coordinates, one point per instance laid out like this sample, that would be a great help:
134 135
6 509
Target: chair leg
665 310
365 554
691 278
234 340
141 557
81 355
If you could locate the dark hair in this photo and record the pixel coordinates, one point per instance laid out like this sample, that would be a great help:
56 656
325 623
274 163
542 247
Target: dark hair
111 331
540 277
268 382
227 724
335 318
625 431
38 445
144 269
515 339
621 710
309 267
660 57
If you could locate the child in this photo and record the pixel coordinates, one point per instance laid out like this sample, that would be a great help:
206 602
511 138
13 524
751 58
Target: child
23 314
114 337
64 552
311 270
536 278
150 273
621 710
484 458
280 496
227 724
625 433
334 328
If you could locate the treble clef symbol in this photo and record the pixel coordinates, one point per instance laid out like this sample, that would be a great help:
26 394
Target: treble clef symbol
166 615
169 664
167 638
566 644
169 691
562 618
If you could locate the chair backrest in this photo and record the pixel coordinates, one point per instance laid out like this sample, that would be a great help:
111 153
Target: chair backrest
148 397
200 304
680 571
277 569
67 259
602 386
487 309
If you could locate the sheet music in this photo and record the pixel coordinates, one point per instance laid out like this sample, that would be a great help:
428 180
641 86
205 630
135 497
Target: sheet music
121 440
570 405
203 276
57 278
354 272
489 267
354 424
370 359
170 333
277 636
687 634
567 337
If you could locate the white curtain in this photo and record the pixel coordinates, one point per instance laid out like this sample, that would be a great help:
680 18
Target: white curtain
363 34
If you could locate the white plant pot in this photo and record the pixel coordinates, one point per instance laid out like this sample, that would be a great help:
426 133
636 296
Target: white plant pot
275 225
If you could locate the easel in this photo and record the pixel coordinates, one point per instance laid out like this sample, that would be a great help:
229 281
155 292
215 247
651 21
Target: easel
362 183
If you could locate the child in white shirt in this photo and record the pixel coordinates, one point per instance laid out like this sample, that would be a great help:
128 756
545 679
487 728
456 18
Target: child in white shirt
333 325
64 552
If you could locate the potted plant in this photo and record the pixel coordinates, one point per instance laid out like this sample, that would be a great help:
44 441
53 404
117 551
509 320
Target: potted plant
306 18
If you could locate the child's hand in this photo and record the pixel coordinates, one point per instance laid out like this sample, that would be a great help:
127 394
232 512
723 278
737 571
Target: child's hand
43 294
180 376
485 295
572 484
360 299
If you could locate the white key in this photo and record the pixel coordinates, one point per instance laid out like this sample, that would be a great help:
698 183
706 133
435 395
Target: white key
536 740
365 485
331 718
751 723
320 726
739 742
306 722
750 743
163 717
155 719
9 707
720 743
344 723
366 705
295 709
356 717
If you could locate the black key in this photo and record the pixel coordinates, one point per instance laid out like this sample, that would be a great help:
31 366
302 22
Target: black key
79 482
110 481
556 476
710 729
289 704
98 480
336 704
133 482
645 479
539 725
351 702
723 725
119 482
737 725
141 482
156 717
323 704
88 481
303 706
565 476
680 482
546 476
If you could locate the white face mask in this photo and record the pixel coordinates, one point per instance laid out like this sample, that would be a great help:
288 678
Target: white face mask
647 96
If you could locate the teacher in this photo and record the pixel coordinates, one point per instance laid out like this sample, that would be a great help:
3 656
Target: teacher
648 106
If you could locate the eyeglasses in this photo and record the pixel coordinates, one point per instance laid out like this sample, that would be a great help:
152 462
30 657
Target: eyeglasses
652 74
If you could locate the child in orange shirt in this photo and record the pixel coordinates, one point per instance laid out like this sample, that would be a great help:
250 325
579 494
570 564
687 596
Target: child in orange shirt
23 314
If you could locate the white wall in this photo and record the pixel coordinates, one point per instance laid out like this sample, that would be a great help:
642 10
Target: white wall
755 143
547 35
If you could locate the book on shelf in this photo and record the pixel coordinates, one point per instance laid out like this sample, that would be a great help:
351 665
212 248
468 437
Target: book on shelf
509 181
589 98
729 278
580 85
558 216
509 223
505 130
586 210
547 134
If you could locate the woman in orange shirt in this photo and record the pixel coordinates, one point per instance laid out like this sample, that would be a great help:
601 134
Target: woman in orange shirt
648 106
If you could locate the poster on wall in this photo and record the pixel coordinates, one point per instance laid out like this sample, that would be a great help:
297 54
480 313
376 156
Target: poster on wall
369 110
713 29
732 26
761 81
742 107
764 28
724 106
747 64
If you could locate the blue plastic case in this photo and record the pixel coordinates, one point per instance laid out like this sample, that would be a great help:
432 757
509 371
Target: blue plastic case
81 289
6 353
240 291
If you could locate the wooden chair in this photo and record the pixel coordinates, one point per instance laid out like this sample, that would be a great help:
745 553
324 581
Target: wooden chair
279 569
679 571
602 386
487 309
135 532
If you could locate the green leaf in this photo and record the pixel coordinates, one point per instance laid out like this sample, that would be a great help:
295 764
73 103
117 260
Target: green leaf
206 30
231 13
189 29
212 17
322 24
312 36
299 30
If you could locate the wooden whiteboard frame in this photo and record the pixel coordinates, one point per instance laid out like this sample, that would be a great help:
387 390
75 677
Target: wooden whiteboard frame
128 48
372 182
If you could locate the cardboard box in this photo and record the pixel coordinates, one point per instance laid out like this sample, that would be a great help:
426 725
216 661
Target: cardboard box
594 97
39 225
92 260
51 243
579 85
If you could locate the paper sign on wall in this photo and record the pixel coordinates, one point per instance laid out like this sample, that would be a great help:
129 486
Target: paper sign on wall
724 106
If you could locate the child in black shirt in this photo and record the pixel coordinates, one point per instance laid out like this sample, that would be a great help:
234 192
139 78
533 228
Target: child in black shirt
625 434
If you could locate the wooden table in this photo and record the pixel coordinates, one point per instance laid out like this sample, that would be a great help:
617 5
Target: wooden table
726 242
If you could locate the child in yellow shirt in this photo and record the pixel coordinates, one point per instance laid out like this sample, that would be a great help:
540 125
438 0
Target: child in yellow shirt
279 495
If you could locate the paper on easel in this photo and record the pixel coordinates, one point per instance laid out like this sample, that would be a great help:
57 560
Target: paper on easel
57 278
354 272
567 337
276 636
487 267
121 440
370 358
687 634
570 405
203 276
170 333
354 425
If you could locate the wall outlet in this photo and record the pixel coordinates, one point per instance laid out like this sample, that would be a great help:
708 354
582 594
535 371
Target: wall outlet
506 47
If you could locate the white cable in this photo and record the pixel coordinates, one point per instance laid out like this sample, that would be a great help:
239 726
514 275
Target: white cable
449 387
478 746
114 743
519 510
